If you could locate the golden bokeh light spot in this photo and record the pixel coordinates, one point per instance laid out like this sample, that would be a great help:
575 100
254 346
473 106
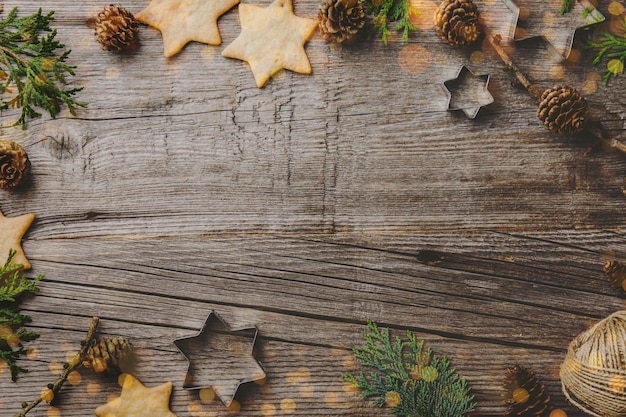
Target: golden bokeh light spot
299 376
207 395
336 352
549 33
520 33
47 395
617 383
414 59
268 409
32 354
234 407
616 27
392 399
524 12
69 355
574 56
557 412
590 87
595 360
556 4
53 412
195 409
125 380
288 405
549 18
557 72
93 388
3 366
56 367
74 378
520 395
422 13
615 66
350 387
616 8
307 391
349 362
594 76
477 57
332 399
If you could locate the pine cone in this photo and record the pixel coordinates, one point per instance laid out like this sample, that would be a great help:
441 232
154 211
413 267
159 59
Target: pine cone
616 273
563 109
116 28
456 22
526 396
340 20
111 355
14 164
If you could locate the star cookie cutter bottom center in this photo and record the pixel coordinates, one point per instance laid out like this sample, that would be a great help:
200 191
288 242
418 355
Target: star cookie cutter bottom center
220 358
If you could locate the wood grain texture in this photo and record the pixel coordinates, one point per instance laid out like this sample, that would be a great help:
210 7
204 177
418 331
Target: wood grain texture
309 206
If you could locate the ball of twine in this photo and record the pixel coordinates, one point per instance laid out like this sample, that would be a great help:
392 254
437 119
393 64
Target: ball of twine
593 375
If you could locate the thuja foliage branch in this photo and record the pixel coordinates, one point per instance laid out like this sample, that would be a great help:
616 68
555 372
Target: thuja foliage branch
408 378
33 67
566 6
612 47
391 11
13 285
52 389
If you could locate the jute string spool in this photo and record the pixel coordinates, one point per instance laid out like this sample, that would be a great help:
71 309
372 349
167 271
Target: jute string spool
593 375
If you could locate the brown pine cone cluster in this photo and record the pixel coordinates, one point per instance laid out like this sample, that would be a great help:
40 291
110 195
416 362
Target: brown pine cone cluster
340 20
110 355
525 394
615 271
116 29
456 22
563 109
14 164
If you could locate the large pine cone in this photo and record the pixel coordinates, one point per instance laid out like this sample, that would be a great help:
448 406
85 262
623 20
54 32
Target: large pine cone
340 20
110 355
616 273
563 109
456 22
525 395
116 28
14 164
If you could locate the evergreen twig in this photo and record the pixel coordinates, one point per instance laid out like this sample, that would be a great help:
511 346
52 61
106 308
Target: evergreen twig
77 361
388 11
13 285
613 47
566 6
31 68
408 378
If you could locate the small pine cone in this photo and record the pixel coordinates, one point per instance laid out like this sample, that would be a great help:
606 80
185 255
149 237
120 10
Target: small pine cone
116 28
111 355
14 164
525 394
616 273
563 109
340 20
456 22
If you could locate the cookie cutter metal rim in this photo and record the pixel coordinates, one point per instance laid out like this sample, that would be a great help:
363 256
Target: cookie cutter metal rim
470 114
228 330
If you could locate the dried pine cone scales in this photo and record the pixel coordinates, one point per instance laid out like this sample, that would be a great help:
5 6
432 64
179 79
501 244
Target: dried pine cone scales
14 164
110 355
456 22
525 394
116 29
563 109
340 20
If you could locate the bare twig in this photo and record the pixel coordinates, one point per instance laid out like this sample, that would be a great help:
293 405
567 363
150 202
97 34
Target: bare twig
74 364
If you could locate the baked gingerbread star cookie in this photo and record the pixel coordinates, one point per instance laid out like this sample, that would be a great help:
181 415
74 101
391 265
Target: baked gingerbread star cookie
183 21
12 229
136 400
271 39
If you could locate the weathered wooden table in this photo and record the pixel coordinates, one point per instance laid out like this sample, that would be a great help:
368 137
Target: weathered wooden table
309 206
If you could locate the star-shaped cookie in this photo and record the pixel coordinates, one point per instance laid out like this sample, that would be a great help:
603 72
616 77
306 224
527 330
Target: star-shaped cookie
271 39
12 229
468 92
542 18
183 21
137 400
220 358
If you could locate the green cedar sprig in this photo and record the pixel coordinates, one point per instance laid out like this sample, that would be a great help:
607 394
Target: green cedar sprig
612 47
566 6
13 285
388 11
408 378
32 68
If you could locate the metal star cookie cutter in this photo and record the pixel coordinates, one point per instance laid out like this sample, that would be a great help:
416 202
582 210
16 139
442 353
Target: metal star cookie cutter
559 31
465 94
492 18
220 358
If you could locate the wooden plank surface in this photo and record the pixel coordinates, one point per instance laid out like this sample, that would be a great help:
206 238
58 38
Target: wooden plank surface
309 206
